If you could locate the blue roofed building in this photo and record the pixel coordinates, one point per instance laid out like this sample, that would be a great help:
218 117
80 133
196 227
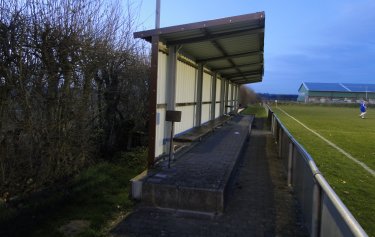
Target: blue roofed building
312 92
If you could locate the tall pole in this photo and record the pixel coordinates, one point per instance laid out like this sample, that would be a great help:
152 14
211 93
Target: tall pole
157 16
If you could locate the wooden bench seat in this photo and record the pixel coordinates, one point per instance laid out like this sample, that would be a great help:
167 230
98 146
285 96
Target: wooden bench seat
197 133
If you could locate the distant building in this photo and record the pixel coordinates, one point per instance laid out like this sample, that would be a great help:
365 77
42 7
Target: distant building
280 97
310 92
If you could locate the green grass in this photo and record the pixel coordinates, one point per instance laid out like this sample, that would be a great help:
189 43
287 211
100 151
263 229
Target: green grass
342 126
98 195
255 109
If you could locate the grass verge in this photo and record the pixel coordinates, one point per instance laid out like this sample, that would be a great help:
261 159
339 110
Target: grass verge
98 196
255 109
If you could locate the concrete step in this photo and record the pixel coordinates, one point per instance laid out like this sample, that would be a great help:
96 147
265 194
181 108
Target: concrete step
183 198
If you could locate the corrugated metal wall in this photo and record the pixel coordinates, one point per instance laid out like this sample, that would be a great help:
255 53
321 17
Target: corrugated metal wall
218 98
161 101
160 131
186 87
162 78
226 96
230 98
186 99
187 118
186 83
236 96
206 97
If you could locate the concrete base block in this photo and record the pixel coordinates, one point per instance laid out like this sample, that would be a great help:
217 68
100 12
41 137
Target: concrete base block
136 184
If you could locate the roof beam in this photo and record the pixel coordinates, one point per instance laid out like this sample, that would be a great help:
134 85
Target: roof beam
216 36
239 55
244 77
222 50
248 80
245 81
238 66
250 73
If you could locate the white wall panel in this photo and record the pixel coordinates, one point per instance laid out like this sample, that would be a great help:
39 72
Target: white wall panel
217 110
160 131
236 96
207 85
187 118
161 99
186 87
229 93
206 112
218 89
186 83
225 102
162 78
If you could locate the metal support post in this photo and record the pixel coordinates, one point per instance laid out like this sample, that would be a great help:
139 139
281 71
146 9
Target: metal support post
171 150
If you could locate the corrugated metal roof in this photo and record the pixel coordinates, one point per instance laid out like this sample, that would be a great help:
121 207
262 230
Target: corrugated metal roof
237 40
339 87
360 87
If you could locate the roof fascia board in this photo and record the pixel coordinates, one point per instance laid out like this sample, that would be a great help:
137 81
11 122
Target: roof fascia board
203 24
304 84
217 36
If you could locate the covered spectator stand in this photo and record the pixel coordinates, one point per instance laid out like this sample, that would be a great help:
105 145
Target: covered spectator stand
197 69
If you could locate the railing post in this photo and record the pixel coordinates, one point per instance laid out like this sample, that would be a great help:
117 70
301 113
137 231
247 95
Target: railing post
290 162
269 118
280 141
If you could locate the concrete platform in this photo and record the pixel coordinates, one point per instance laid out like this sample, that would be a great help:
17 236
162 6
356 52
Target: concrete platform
198 179
259 202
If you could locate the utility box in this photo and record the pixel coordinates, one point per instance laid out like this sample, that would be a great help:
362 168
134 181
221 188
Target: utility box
173 116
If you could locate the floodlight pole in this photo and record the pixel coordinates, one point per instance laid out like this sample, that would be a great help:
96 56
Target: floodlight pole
157 15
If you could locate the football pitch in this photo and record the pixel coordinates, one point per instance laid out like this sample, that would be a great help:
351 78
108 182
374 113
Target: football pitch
343 147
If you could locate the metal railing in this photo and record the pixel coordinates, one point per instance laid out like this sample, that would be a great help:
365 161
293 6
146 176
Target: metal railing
323 211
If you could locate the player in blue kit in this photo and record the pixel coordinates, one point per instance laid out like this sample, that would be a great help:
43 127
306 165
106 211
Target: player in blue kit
363 109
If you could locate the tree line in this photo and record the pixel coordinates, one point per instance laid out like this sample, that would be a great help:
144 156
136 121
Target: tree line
73 86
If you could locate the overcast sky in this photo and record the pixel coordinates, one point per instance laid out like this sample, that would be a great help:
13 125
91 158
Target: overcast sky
305 41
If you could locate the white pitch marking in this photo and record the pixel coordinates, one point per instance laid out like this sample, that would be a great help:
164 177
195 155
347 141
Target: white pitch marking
368 169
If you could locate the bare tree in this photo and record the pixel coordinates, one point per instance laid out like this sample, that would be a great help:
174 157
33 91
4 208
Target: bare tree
247 96
72 82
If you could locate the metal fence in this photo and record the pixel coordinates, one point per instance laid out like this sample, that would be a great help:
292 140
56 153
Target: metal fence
323 211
